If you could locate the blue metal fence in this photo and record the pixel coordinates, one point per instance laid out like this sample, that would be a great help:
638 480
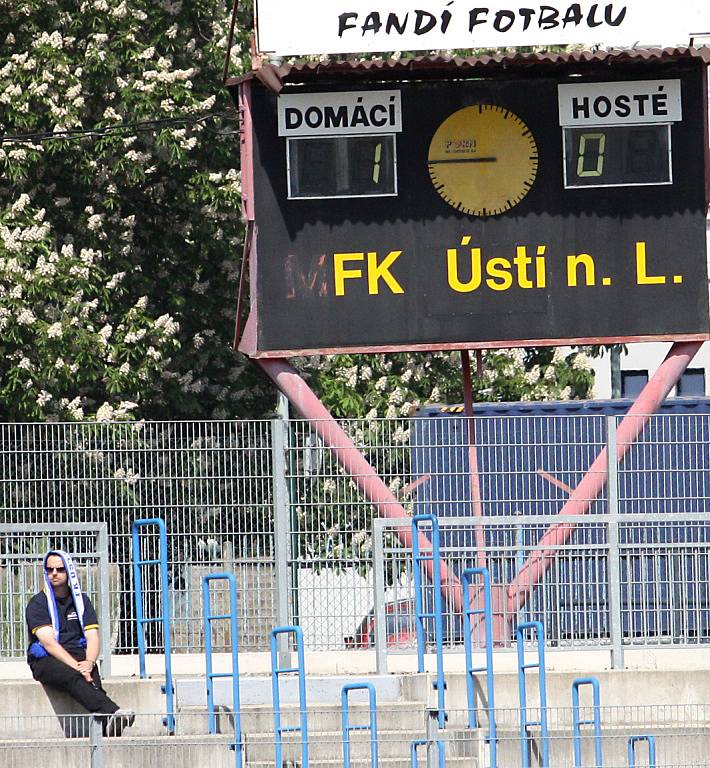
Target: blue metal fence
161 561
633 741
276 672
210 674
578 721
526 738
371 726
434 557
487 612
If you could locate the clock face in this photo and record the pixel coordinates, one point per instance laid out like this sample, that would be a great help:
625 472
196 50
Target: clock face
483 160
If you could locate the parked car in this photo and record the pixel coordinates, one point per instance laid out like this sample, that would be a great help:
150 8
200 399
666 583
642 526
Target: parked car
401 630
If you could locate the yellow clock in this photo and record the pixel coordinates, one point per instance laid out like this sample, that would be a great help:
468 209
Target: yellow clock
483 160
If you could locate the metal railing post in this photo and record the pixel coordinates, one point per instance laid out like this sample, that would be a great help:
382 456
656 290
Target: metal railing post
633 741
614 561
211 675
525 724
378 560
578 722
429 744
96 747
105 602
282 532
277 670
487 611
141 620
372 727
437 614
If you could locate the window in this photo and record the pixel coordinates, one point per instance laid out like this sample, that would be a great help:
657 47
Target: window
692 383
632 382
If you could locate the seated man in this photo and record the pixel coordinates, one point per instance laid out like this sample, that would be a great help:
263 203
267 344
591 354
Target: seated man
64 642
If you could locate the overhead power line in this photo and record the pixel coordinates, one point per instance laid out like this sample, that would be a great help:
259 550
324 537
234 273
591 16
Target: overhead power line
121 129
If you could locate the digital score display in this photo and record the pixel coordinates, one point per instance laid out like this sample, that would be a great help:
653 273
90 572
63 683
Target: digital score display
614 156
342 166
542 206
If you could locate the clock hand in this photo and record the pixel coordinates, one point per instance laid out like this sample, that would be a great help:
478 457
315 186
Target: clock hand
464 160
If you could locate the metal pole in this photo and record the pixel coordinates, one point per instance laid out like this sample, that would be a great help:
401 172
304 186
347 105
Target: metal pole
288 380
105 602
614 555
95 742
378 560
282 555
473 475
581 498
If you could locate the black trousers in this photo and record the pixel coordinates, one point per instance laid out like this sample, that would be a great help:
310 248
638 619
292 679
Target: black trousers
92 696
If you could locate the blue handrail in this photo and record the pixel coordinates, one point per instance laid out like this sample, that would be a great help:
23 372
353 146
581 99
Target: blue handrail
211 675
577 722
421 743
297 632
487 611
372 727
525 724
141 620
651 741
437 614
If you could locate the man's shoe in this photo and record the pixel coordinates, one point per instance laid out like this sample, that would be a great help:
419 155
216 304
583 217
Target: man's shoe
120 719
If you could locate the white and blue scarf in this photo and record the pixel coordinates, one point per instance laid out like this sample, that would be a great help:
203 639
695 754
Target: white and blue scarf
37 650
73 584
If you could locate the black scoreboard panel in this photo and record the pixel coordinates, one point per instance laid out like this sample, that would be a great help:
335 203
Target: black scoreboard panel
485 221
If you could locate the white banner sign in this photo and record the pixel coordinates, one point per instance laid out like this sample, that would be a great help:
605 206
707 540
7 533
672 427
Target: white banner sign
353 112
292 27
638 101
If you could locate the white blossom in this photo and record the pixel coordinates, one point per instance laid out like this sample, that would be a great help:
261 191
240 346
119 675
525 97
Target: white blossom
43 398
54 331
26 317
582 362
20 204
105 413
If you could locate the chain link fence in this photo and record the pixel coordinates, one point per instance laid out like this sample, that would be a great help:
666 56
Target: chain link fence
248 496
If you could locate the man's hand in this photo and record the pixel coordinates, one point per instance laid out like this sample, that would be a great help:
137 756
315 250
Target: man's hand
86 667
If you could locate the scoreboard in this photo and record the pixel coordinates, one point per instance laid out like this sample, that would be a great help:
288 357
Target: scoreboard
525 205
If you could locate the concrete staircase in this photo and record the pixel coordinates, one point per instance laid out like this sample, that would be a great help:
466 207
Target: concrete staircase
35 723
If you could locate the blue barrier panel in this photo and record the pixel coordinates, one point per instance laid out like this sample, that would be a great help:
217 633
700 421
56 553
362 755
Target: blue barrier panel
437 614
525 724
421 743
487 612
651 741
666 471
211 675
372 727
164 618
297 632
577 721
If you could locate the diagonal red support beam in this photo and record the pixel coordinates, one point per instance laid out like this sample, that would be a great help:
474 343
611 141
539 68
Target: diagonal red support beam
302 397
581 498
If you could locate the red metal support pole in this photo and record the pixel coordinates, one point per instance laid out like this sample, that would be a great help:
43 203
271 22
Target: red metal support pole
473 476
581 498
302 397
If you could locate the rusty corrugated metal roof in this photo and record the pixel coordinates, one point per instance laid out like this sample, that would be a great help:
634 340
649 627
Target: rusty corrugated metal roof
275 77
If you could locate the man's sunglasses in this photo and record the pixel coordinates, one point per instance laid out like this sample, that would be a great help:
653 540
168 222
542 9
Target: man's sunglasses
61 569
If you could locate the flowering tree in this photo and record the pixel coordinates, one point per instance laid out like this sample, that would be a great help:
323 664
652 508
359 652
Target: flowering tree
120 228
392 385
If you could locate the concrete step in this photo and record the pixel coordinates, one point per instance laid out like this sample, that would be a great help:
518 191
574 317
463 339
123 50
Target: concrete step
30 710
124 752
256 690
323 717
618 687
